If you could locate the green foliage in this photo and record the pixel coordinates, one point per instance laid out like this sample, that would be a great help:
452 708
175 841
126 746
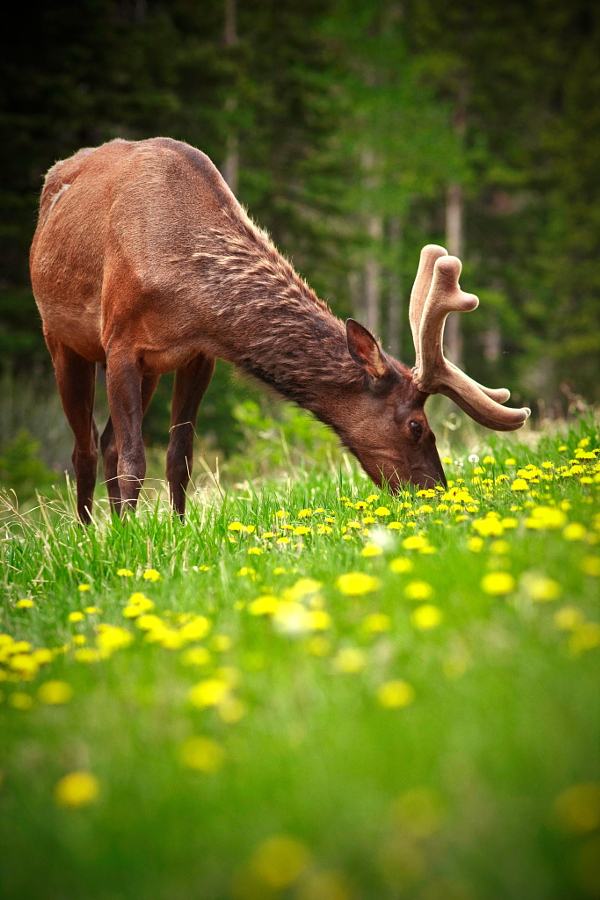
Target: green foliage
348 117
431 737
21 468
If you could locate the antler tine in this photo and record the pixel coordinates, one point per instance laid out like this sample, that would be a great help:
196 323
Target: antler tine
418 295
435 374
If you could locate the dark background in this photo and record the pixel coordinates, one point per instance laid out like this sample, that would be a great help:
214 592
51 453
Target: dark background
355 132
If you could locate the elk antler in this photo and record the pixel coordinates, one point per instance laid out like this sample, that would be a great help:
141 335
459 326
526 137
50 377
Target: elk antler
435 294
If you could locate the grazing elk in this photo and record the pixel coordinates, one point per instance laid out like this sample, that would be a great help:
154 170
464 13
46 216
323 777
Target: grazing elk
144 261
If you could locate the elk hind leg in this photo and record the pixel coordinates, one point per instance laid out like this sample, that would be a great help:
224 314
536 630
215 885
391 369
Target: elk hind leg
191 382
76 377
108 446
124 388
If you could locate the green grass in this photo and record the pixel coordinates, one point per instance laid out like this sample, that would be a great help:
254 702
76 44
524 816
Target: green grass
483 782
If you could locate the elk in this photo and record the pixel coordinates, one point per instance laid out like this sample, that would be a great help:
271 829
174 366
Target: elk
144 261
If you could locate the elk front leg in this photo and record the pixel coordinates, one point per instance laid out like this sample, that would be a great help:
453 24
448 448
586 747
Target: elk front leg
75 377
124 388
191 382
108 445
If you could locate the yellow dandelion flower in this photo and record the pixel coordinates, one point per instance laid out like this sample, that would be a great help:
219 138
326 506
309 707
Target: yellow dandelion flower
77 789
490 526
574 532
209 692
83 588
545 518
498 583
76 617
236 526
55 692
324 529
247 572
265 605
282 540
196 629
568 618
508 522
401 565
302 529
318 620
414 542
350 660
426 616
475 544
27 666
151 575
396 694
418 590
540 588
202 754
255 551
124 573
371 550
501 548
279 861
356 583
377 623
519 484
304 513
24 603
111 638
195 656
232 710
20 700
382 511
304 587
88 655
395 526
584 637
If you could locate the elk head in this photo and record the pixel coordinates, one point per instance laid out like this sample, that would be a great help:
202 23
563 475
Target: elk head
388 431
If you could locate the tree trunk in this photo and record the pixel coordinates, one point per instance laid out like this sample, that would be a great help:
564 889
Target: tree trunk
372 264
231 163
454 246
394 340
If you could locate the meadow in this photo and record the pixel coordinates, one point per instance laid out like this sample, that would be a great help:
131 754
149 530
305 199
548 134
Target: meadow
310 690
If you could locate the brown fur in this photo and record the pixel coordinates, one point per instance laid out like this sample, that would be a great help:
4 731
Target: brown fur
143 260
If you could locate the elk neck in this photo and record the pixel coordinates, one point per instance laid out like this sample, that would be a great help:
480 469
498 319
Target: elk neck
278 330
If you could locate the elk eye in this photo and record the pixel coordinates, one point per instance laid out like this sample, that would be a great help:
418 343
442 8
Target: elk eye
416 429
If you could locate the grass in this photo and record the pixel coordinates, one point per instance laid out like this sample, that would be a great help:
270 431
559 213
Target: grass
426 728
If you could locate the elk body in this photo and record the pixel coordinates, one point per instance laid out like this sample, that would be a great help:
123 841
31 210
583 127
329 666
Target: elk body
145 262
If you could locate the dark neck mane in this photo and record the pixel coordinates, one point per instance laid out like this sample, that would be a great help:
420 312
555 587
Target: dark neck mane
284 334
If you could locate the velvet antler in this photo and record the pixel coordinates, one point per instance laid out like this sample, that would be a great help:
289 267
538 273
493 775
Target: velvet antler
435 294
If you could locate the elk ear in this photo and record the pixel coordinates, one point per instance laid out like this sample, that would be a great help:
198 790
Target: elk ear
365 350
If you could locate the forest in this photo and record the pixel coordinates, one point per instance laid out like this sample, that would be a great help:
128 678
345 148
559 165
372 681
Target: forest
355 132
